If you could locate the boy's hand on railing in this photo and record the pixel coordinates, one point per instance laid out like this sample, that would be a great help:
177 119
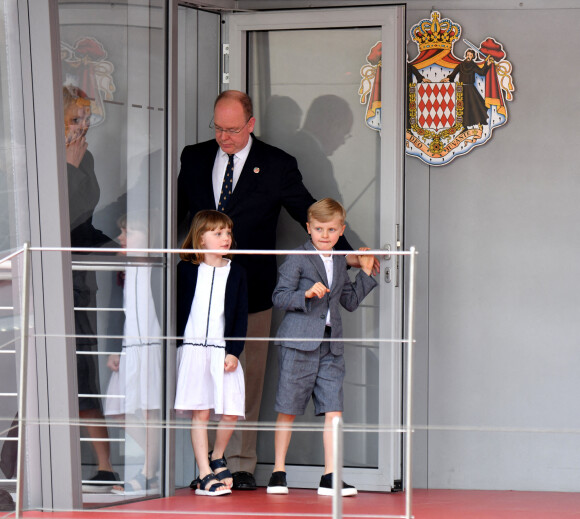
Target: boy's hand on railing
367 262
353 260
318 290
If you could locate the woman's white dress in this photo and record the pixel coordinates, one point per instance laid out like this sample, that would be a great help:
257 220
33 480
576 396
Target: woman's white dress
202 382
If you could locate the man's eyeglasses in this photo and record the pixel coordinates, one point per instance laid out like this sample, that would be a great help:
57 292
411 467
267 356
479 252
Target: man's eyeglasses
231 131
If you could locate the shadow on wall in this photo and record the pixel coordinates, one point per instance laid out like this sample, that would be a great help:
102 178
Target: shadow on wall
326 128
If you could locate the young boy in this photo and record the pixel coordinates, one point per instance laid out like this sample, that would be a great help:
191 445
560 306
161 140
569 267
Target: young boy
310 289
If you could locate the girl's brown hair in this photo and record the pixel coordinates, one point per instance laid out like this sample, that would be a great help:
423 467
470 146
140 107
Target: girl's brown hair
203 221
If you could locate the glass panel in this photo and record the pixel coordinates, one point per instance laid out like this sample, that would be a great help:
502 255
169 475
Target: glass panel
114 84
14 230
9 345
308 104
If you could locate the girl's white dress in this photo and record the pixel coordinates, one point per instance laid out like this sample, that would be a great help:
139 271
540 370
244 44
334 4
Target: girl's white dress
202 382
138 385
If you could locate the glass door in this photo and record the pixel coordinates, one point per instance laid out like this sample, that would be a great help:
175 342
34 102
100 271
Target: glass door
303 72
114 85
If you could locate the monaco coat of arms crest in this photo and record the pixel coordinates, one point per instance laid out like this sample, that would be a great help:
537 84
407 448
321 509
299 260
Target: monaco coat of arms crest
452 105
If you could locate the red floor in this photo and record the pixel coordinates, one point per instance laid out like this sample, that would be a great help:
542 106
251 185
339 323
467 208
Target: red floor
427 504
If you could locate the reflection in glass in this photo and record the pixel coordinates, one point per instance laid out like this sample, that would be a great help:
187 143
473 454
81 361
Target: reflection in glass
136 383
84 194
9 345
115 53
14 231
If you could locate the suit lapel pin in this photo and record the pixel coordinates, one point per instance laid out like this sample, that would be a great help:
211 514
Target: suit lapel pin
256 170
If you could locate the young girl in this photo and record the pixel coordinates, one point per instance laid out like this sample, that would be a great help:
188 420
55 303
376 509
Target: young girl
212 303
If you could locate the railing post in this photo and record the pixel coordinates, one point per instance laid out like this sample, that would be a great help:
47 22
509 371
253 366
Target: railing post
409 407
24 304
337 437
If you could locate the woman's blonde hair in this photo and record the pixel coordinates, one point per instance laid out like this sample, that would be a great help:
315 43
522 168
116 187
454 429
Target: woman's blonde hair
203 221
74 95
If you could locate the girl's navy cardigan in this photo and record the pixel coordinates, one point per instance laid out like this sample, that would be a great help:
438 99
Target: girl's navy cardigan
235 304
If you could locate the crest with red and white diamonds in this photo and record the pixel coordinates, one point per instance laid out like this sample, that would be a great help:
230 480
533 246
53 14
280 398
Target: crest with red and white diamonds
435 105
447 114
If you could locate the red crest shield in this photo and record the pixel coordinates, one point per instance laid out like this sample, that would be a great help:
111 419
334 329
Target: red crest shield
436 105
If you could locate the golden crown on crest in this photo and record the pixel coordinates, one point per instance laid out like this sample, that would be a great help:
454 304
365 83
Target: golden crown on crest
435 33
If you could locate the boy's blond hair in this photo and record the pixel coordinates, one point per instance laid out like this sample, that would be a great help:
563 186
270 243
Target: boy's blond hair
325 210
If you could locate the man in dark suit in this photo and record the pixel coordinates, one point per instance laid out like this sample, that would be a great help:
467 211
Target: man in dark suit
259 180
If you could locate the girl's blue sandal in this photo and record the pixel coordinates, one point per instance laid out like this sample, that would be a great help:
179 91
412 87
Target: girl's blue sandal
218 464
212 490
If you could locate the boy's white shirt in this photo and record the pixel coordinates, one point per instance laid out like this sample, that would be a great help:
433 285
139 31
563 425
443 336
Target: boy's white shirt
328 266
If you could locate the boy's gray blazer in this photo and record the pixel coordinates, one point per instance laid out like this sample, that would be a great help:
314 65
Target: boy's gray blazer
306 318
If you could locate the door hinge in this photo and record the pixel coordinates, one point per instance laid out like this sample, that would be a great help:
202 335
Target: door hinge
226 63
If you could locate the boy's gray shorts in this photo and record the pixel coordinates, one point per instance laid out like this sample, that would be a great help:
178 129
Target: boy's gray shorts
303 374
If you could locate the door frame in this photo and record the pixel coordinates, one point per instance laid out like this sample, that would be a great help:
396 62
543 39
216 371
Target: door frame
391 19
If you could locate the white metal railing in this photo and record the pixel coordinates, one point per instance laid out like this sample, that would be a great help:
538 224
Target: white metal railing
337 425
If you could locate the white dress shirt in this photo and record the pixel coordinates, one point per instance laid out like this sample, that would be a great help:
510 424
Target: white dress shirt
221 163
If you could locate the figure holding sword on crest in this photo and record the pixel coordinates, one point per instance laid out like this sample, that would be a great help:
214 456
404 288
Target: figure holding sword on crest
475 111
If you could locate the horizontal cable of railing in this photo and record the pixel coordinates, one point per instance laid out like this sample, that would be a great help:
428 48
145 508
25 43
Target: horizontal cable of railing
175 337
252 252
207 512
186 424
6 344
11 255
